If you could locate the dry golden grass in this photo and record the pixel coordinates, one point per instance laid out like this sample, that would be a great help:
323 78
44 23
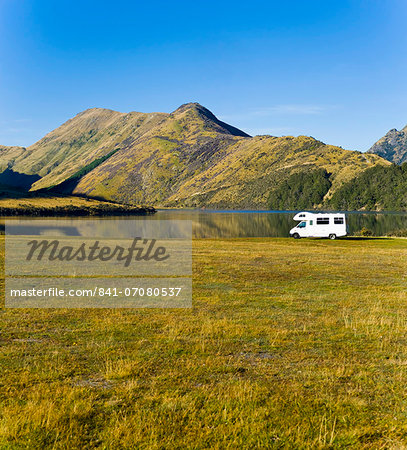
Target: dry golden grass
53 205
49 202
290 344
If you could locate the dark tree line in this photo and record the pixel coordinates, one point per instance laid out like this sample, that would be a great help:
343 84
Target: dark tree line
302 190
377 188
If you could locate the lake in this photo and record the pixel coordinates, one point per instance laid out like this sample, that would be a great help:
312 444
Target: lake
230 224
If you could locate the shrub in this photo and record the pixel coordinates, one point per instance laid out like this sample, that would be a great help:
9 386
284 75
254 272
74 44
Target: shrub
399 233
366 232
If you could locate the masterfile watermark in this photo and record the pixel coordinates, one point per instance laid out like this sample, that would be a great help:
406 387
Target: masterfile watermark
82 263
99 248
99 292
147 250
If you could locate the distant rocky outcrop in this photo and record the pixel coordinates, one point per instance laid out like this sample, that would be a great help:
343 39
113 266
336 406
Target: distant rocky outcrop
392 146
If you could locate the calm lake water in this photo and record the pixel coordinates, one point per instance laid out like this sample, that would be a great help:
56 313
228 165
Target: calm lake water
213 224
230 224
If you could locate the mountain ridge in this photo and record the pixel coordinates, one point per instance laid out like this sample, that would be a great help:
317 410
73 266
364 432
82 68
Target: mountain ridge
187 158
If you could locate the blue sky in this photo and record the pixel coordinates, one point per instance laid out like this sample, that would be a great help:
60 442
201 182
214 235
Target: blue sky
335 70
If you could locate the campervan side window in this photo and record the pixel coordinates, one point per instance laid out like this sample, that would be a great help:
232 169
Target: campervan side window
322 220
338 220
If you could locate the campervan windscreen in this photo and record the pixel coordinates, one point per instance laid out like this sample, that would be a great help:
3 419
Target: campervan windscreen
302 225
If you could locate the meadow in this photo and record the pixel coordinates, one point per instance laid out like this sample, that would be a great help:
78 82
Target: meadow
27 204
289 344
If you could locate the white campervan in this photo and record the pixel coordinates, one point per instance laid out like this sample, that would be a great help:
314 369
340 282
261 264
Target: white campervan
330 225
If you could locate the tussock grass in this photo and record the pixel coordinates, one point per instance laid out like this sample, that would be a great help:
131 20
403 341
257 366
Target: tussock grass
290 344
27 204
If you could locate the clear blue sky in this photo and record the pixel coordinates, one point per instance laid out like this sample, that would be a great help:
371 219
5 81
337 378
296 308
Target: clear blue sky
335 70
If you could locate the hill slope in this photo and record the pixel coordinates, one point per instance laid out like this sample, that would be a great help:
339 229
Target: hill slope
8 155
392 146
187 158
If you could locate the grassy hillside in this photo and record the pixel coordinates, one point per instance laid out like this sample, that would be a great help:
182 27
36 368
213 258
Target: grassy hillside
242 173
289 345
184 159
79 141
8 156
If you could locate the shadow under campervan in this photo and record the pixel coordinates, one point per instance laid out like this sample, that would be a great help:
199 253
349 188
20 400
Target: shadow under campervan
328 225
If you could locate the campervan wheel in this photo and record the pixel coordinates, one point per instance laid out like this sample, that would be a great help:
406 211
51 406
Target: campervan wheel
332 236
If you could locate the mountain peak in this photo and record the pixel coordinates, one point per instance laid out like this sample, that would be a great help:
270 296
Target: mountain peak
210 118
189 105
197 108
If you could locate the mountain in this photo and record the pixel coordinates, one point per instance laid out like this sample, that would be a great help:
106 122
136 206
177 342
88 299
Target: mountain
392 146
187 158
8 155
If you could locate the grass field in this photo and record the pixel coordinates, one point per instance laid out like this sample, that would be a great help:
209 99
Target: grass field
290 344
26 204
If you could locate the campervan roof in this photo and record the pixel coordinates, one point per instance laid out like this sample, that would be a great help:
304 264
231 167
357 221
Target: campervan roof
304 215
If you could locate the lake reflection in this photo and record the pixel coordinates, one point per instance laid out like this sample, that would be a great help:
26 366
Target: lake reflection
232 224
